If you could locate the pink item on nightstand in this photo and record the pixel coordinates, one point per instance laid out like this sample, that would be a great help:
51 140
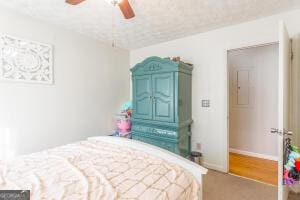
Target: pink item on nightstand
124 126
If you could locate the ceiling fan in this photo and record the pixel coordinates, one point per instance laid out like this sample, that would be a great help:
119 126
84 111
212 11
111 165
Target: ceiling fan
124 6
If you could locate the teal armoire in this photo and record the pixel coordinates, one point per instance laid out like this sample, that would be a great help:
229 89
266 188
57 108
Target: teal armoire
162 106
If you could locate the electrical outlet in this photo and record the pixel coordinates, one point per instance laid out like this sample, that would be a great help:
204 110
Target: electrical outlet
198 146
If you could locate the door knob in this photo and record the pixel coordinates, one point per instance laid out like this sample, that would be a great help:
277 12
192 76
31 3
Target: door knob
280 132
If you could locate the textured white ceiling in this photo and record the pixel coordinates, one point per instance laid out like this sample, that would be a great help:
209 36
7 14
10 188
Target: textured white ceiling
156 20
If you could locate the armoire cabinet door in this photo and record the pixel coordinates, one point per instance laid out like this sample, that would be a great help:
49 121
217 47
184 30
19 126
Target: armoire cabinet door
163 97
142 92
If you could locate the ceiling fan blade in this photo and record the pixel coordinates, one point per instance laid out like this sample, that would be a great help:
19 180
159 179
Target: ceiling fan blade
126 9
74 2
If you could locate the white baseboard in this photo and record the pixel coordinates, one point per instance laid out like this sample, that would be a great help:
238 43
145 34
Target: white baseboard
258 155
213 167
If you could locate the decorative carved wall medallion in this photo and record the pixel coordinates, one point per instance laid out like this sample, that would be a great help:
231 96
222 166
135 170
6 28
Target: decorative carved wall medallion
26 61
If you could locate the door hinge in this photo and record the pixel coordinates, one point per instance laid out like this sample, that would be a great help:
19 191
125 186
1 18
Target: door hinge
292 53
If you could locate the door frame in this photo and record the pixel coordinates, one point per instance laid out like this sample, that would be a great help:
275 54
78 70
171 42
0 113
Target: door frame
226 170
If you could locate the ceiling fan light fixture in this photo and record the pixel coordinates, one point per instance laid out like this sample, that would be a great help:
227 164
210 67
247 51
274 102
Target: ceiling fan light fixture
74 2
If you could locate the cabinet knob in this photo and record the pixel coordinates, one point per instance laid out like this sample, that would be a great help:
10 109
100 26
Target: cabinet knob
152 98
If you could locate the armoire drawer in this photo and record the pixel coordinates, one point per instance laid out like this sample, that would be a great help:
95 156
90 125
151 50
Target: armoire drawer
149 131
170 146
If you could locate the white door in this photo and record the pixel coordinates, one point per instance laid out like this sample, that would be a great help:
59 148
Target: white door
283 101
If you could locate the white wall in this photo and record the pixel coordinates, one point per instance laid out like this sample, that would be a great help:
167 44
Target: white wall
207 51
91 82
250 124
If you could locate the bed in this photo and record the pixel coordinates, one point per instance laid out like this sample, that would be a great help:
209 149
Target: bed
103 168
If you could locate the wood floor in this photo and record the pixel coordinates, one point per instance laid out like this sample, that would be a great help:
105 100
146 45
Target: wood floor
254 168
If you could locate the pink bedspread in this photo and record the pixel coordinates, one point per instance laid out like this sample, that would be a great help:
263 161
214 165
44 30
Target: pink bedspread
97 170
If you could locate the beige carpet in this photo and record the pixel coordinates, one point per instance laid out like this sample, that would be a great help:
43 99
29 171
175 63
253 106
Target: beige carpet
293 196
220 186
